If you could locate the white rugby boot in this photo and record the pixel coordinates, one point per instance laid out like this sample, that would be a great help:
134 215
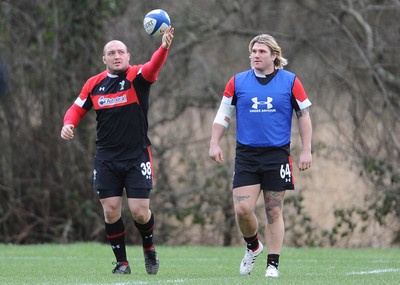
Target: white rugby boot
247 264
272 271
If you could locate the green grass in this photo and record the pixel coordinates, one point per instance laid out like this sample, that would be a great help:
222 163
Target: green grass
90 263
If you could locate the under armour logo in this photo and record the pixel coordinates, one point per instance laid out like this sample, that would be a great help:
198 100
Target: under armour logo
102 89
257 103
122 83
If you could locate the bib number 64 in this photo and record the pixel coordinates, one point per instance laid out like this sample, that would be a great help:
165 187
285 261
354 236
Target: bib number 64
285 172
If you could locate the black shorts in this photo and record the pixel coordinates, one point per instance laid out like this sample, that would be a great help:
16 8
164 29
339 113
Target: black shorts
135 175
269 167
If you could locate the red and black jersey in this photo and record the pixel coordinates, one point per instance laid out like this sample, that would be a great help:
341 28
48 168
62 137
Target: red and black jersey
121 103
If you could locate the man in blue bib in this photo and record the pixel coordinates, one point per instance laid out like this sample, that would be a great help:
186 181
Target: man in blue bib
264 99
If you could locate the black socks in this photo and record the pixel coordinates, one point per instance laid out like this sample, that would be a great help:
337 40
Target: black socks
146 232
273 259
116 235
252 242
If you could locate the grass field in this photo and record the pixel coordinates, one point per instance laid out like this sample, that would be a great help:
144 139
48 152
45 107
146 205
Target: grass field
90 263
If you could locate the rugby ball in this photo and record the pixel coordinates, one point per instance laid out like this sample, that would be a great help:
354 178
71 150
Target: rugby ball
156 22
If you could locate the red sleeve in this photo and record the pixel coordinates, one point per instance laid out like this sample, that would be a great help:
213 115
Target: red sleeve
80 107
298 90
151 69
230 88
73 115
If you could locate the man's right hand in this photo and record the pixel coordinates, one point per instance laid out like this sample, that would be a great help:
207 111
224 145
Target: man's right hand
67 132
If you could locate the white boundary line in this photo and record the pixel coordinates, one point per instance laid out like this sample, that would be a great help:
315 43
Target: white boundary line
377 271
138 282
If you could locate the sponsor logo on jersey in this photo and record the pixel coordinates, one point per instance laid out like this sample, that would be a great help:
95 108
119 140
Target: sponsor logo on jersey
262 106
103 101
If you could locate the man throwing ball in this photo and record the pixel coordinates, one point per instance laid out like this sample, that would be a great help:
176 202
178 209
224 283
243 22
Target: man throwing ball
120 97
